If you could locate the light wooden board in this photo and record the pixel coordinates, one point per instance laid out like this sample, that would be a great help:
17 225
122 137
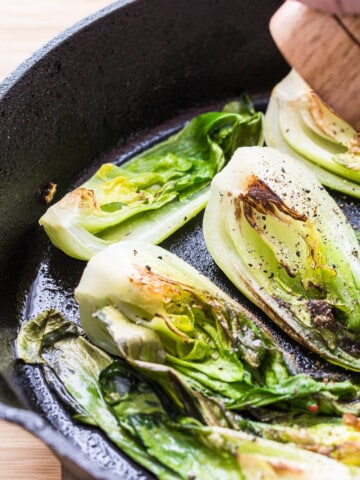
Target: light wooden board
24 457
25 25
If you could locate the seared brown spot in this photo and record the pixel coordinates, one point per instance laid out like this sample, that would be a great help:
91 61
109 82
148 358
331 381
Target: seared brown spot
351 420
289 270
282 467
262 199
322 449
354 144
320 312
160 286
83 198
316 109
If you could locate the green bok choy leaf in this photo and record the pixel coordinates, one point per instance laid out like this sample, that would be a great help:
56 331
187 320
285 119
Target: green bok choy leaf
300 124
140 421
108 395
155 193
148 306
283 241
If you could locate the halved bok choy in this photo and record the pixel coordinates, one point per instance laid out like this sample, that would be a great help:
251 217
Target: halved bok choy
153 194
299 123
283 241
144 304
144 423
338 438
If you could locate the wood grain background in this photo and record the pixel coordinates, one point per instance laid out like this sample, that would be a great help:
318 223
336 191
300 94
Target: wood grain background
25 25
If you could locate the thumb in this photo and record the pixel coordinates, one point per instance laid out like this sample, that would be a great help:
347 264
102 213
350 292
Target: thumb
340 7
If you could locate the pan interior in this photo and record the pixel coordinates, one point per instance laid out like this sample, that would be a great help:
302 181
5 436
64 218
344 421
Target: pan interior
49 278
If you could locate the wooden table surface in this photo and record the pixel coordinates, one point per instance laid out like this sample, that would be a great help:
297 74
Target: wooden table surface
25 25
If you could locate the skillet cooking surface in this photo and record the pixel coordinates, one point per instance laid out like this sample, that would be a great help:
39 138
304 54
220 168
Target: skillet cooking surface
50 277
124 71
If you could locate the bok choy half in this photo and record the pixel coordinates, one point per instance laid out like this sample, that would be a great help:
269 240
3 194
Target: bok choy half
283 241
214 359
338 438
144 423
153 194
299 123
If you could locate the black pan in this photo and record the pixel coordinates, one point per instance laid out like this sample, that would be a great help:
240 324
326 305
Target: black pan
107 88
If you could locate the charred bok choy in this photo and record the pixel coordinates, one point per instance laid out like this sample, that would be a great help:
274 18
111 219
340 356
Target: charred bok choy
153 194
338 438
284 242
299 123
145 424
142 303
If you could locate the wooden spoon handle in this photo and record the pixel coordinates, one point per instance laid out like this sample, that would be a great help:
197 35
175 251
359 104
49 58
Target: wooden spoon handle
325 50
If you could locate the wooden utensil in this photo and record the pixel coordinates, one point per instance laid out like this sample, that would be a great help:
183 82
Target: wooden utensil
325 50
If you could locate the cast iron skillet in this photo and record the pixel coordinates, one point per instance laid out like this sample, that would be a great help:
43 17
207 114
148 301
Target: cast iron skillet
108 87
